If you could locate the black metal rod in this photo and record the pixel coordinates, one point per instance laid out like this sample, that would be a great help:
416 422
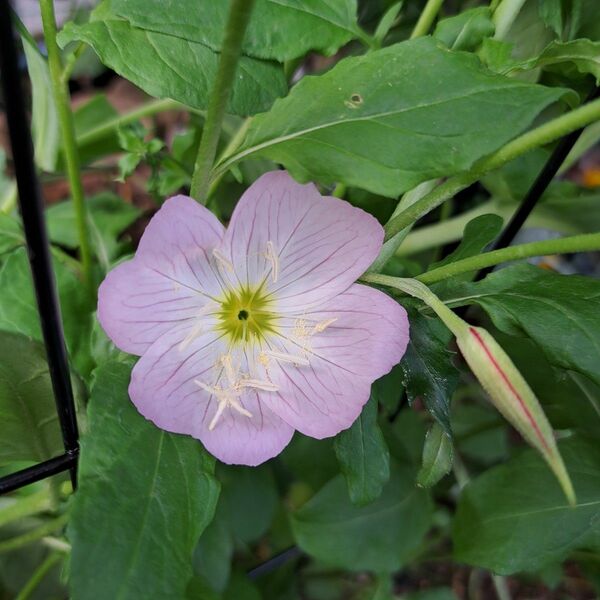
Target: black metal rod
275 562
536 191
30 203
42 470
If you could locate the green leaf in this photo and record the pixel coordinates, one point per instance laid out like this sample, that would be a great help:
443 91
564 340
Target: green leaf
480 433
168 66
144 498
19 311
437 457
478 234
429 374
378 537
563 16
361 125
320 25
386 22
90 116
583 55
212 556
44 116
558 312
515 517
29 426
11 234
466 30
249 500
108 216
364 456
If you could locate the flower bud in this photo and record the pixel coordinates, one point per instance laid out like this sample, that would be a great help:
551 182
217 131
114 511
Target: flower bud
512 396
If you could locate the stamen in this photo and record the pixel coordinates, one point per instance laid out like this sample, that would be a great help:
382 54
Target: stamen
323 325
229 370
274 260
224 398
266 386
263 359
222 259
236 404
217 416
289 358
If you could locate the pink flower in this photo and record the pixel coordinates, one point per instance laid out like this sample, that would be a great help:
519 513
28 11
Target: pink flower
248 334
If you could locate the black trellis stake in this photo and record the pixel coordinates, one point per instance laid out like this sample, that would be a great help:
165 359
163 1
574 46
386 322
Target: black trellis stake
536 191
30 203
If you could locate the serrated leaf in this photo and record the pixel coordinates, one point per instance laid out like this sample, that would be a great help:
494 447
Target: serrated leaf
29 427
167 66
437 457
158 490
558 312
515 517
364 456
363 125
319 25
427 366
329 527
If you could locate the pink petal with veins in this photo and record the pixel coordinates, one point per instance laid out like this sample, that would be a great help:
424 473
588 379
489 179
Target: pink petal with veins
163 387
322 244
368 337
171 278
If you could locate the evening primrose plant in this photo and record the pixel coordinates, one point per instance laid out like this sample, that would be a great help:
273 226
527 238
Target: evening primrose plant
303 364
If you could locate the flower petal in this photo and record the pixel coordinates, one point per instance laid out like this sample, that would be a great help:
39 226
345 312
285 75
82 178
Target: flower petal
320 245
171 279
352 341
163 387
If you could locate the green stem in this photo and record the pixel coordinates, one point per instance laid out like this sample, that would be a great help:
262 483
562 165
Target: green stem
34 535
67 127
71 61
417 289
38 575
232 146
239 16
544 134
504 16
25 506
150 108
340 190
586 242
391 246
426 18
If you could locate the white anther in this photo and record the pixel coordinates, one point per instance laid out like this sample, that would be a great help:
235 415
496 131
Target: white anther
265 386
274 260
288 358
323 325
263 359
220 408
222 259
229 370
225 398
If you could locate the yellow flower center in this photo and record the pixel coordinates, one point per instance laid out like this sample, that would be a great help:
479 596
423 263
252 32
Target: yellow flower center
245 315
